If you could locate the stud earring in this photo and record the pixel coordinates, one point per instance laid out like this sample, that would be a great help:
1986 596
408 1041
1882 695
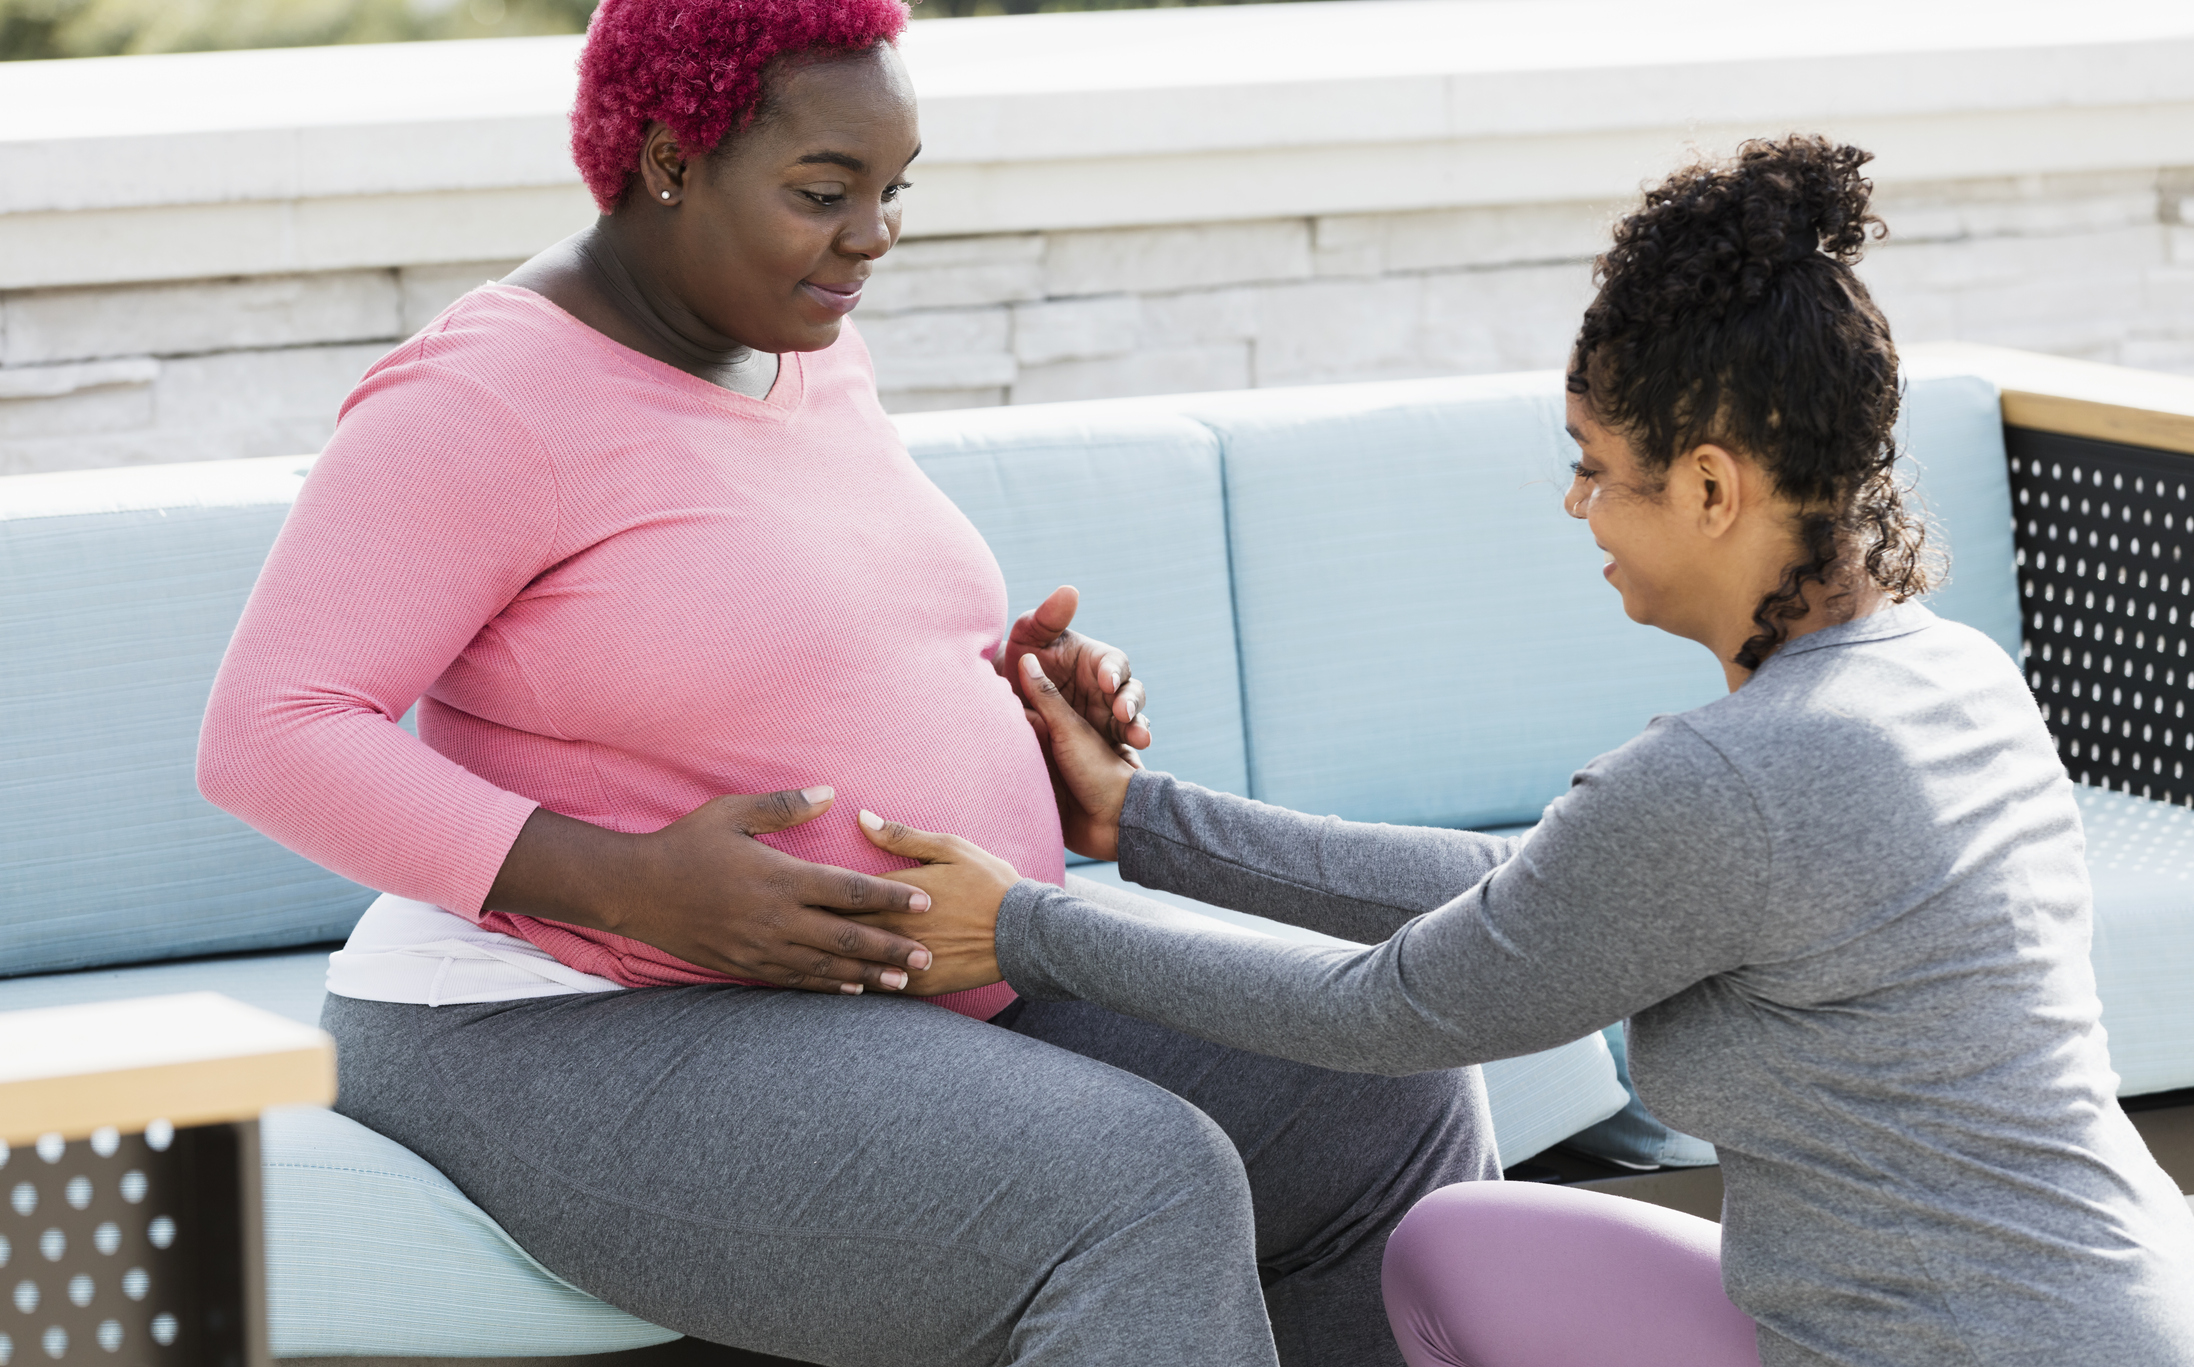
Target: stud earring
666 194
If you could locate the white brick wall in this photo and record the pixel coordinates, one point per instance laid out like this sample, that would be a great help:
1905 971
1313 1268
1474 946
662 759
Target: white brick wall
1157 259
1108 203
203 369
2096 265
2099 266
198 316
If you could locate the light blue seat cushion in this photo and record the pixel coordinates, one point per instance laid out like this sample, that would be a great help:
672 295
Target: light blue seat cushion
1126 504
372 1252
2140 857
118 592
1537 1100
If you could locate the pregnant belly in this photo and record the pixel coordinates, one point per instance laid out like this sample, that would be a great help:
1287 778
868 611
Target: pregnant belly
984 782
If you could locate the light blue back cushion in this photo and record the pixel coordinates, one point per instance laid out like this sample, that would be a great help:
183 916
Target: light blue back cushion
1426 637
1126 504
1953 434
118 592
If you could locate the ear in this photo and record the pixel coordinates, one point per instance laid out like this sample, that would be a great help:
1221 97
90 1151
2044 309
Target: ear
1720 486
662 165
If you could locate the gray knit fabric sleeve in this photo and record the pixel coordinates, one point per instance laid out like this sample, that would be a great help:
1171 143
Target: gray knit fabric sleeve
1648 875
1343 878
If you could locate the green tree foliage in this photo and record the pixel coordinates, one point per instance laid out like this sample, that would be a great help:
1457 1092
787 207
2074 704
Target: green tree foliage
31 29
103 28
961 9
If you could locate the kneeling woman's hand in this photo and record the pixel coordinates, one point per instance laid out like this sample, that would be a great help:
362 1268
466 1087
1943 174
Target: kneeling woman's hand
1089 774
965 885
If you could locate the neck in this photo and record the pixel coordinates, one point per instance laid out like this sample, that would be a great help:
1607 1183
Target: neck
1826 605
618 266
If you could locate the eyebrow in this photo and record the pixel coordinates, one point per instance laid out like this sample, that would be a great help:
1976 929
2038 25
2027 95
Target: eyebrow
1574 434
845 159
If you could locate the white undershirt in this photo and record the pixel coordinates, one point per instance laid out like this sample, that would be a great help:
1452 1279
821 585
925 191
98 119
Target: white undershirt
420 955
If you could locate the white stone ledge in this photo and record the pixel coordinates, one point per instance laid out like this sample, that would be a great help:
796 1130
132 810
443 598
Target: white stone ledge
206 127
199 165
196 241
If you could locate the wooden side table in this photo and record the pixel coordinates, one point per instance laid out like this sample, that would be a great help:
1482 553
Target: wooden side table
130 1230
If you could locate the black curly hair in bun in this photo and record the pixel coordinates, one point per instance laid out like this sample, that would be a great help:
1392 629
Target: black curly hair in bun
1728 312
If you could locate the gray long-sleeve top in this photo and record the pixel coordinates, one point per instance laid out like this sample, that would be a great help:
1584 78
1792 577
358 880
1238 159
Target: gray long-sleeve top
1846 909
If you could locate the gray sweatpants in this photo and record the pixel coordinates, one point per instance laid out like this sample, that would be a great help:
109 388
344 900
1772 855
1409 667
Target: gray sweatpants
870 1180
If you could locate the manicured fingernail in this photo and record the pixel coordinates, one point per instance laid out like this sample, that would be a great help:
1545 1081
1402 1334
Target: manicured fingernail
1031 666
1112 681
894 979
819 793
871 821
850 989
919 960
918 902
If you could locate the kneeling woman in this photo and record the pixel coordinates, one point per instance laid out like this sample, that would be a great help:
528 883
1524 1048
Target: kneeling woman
1845 905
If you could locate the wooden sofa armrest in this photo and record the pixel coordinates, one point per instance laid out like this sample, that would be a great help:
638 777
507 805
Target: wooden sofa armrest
194 1059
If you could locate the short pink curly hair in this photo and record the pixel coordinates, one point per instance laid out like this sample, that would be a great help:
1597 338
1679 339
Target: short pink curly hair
696 67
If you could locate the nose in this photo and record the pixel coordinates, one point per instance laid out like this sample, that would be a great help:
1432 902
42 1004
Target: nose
1577 501
871 233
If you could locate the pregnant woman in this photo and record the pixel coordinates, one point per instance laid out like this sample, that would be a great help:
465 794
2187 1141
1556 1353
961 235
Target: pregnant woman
632 530
1844 907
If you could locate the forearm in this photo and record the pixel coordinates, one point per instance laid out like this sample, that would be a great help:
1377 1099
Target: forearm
1647 877
345 786
1354 880
564 869
1365 1010
413 530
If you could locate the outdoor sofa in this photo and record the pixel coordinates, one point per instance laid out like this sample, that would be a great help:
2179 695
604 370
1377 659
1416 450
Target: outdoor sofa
1360 599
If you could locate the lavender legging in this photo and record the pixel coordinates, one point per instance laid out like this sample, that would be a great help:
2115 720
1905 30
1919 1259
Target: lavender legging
1521 1274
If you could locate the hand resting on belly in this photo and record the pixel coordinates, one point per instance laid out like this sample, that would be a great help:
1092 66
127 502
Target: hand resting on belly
704 889
964 883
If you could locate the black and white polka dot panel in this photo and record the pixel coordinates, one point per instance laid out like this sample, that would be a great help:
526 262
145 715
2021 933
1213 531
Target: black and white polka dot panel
2105 544
122 1249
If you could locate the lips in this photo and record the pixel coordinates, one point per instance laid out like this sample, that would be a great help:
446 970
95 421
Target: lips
838 299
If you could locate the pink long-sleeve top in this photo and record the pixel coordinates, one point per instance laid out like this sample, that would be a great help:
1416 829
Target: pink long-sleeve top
615 591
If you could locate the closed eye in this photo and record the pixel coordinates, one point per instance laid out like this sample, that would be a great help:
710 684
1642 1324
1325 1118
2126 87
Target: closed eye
1582 470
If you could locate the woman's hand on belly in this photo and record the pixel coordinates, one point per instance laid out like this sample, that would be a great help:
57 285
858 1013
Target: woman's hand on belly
704 889
965 884
1089 774
1096 678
